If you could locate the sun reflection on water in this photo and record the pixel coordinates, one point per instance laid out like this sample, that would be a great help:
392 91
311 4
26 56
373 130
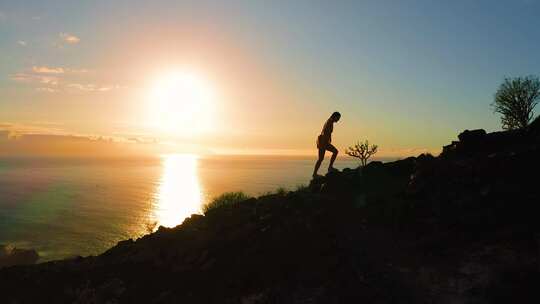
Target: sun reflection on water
179 192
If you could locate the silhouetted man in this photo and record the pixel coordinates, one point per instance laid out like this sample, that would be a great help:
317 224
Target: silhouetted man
324 143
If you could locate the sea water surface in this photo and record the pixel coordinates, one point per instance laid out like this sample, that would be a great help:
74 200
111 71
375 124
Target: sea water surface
64 207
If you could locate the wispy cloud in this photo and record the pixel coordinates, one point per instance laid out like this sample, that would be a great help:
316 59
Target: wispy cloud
69 70
57 70
30 77
69 38
47 70
18 129
22 43
61 79
47 89
89 87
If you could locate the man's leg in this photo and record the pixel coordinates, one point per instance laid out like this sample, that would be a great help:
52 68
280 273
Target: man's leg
319 161
334 155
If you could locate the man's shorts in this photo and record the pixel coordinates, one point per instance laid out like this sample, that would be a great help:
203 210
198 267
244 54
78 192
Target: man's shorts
323 143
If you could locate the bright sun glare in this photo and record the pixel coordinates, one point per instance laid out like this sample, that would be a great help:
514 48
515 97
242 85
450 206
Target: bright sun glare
182 104
179 193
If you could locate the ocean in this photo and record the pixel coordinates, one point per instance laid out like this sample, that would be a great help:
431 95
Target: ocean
64 207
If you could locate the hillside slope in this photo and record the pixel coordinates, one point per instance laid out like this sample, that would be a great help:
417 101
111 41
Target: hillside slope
458 228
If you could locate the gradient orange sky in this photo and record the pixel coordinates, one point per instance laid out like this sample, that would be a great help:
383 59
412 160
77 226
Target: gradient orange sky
277 71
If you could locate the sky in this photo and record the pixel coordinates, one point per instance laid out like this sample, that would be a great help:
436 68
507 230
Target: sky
257 77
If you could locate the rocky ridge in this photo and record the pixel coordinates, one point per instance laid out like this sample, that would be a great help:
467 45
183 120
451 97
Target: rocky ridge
461 227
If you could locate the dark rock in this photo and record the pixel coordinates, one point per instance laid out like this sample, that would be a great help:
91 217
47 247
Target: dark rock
402 167
473 136
10 256
374 165
450 149
127 242
425 157
534 127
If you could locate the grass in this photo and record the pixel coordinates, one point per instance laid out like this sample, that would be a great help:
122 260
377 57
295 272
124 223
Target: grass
228 199
301 187
281 191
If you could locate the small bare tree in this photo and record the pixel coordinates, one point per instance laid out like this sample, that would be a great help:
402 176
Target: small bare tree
363 151
150 226
515 101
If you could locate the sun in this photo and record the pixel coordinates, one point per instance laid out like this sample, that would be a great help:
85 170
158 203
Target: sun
182 103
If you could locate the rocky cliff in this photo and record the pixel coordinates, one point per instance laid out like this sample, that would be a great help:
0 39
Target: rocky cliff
458 228
10 256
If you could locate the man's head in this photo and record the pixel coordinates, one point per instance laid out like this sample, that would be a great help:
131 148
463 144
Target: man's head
335 116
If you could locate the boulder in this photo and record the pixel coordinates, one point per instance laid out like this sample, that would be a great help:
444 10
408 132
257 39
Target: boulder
472 136
535 125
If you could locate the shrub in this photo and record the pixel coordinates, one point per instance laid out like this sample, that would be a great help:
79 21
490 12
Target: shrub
301 188
363 151
281 191
228 199
515 100
150 226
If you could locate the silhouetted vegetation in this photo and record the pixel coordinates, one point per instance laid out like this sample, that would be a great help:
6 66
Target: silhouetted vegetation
150 226
301 187
280 191
226 199
515 101
363 151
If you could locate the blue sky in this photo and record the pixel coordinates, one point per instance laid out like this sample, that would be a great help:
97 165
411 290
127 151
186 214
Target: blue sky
410 74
